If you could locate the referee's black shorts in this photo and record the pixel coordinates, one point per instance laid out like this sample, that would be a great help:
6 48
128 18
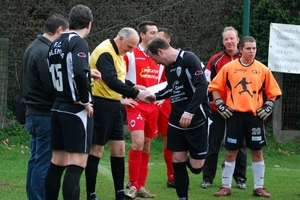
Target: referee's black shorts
108 121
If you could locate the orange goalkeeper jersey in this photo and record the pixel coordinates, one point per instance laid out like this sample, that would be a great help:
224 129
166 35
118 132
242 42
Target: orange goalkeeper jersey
245 86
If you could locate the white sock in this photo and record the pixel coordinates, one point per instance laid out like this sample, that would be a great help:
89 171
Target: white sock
258 169
227 173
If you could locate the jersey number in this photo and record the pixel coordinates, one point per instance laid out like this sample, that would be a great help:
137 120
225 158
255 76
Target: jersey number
56 73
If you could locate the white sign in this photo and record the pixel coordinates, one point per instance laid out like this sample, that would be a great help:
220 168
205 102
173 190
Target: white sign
284 48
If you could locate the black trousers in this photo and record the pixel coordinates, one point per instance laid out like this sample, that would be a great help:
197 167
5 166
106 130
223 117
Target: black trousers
216 135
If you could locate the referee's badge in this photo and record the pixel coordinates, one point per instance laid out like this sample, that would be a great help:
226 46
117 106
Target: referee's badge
178 71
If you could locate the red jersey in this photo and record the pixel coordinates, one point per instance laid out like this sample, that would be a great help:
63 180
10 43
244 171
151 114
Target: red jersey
141 69
214 65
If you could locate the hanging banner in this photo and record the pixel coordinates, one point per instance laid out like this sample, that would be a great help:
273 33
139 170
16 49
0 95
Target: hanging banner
284 48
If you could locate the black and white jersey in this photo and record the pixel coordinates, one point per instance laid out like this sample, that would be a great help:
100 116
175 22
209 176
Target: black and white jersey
187 89
68 61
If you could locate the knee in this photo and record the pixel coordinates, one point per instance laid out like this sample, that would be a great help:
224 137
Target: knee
117 149
147 145
195 170
192 169
231 155
137 144
97 150
256 155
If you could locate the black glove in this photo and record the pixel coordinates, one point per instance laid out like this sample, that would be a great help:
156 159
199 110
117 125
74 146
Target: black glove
265 111
223 109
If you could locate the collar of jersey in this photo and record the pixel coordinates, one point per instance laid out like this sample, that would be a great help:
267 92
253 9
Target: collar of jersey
140 48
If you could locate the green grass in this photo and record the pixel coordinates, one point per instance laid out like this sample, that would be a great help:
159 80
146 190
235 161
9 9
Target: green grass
281 176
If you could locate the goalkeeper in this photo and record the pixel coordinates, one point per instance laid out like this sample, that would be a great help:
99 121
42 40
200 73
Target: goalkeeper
245 112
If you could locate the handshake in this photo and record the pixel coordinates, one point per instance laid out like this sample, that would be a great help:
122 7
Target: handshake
144 95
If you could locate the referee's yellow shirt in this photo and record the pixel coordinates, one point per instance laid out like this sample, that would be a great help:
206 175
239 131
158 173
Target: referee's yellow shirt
100 89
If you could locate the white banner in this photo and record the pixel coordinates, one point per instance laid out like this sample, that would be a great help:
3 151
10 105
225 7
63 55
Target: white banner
284 48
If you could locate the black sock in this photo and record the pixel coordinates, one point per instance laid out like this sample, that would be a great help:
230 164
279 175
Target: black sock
181 178
91 171
52 181
71 188
118 171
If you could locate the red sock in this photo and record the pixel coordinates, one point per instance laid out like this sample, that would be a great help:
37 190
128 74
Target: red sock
168 161
144 169
134 165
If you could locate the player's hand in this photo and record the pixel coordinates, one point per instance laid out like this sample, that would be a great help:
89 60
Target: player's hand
265 111
145 96
89 108
185 119
159 103
139 87
95 74
223 109
129 102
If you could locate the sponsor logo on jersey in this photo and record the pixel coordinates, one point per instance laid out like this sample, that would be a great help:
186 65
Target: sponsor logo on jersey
139 117
178 71
254 71
149 73
199 72
81 55
236 70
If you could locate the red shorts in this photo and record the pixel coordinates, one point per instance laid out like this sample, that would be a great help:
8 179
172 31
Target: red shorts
143 117
163 117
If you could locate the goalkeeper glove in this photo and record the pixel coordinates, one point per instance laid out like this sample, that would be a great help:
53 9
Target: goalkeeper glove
265 111
223 109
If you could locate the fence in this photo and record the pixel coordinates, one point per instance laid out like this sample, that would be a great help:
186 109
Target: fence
196 25
3 79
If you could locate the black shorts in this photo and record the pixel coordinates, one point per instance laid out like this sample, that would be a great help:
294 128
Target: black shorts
192 140
244 126
71 129
108 121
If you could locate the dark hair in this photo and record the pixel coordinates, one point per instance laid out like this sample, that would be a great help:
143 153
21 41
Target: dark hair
246 39
80 16
157 43
142 27
166 31
54 22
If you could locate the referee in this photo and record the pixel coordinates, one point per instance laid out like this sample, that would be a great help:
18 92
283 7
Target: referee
108 127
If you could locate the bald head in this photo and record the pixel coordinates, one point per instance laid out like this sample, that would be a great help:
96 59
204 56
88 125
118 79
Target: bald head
128 32
127 39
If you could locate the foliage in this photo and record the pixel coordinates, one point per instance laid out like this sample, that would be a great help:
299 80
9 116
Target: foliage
10 115
14 134
264 12
275 149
